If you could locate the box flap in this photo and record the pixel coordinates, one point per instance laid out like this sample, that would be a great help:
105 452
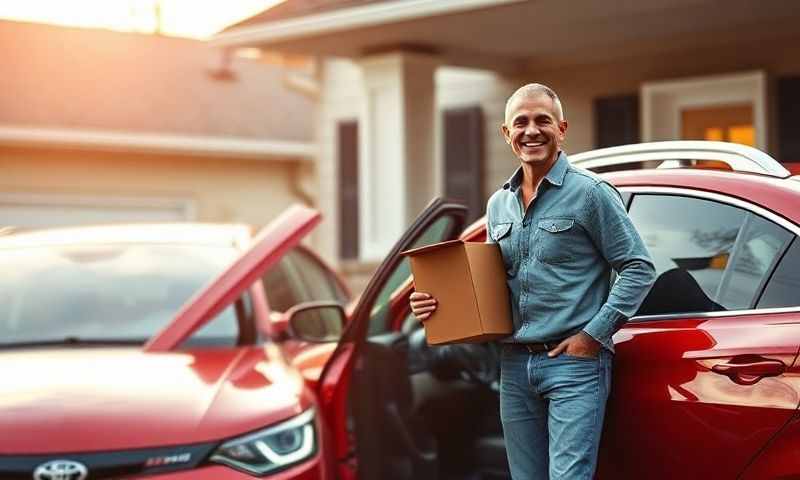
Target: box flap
431 248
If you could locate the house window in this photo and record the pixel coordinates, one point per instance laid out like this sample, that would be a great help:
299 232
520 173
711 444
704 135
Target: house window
463 158
729 108
731 123
347 133
616 120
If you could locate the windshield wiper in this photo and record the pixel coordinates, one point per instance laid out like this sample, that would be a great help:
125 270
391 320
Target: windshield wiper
73 341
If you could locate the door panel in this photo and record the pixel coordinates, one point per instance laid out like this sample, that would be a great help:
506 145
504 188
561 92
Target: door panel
671 415
702 384
370 316
267 248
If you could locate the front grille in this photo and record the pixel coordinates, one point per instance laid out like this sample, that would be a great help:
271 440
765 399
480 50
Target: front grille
112 465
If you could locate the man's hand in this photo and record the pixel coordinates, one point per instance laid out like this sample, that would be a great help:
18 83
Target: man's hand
579 345
423 305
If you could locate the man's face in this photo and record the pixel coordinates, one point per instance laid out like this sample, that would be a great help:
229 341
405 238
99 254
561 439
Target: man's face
533 130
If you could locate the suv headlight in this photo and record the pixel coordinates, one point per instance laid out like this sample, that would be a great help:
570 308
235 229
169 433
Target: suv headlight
273 448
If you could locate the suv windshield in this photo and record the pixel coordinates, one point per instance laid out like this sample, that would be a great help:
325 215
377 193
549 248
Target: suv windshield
88 293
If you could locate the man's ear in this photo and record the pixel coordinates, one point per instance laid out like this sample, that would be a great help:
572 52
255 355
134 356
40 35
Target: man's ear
505 133
562 130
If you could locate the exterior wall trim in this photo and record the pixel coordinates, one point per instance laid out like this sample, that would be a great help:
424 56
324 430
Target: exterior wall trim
104 140
346 19
186 206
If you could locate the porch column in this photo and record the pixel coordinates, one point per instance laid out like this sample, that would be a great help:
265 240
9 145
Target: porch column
399 170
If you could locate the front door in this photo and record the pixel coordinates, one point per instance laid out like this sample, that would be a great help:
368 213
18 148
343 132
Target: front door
363 386
702 378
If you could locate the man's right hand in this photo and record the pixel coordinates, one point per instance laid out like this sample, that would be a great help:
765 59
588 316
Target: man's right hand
423 305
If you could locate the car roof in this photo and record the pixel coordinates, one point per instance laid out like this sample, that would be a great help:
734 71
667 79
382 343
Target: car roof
234 235
779 195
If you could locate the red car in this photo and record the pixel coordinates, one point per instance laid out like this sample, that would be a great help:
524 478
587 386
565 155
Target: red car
705 380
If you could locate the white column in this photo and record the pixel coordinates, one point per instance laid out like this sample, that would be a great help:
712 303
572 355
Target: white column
398 165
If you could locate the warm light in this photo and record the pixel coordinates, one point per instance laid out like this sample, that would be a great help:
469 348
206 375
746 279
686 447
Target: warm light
715 133
183 18
744 134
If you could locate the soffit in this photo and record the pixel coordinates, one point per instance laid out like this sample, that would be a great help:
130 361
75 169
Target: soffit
547 32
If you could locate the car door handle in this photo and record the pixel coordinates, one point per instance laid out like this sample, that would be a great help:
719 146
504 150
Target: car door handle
750 373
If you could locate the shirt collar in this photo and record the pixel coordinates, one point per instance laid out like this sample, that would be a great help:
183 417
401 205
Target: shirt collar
555 175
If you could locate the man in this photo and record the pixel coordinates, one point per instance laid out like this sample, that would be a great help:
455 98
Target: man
561 231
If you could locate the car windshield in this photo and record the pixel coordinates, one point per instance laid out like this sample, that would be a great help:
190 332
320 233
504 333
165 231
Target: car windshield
100 293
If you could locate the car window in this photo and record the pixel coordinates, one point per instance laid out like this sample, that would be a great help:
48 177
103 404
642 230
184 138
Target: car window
754 255
222 331
283 286
320 284
379 316
709 256
783 289
121 292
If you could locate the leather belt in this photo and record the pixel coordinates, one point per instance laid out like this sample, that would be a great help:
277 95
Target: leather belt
537 347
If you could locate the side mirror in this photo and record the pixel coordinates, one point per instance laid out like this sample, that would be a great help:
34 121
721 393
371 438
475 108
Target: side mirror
317 322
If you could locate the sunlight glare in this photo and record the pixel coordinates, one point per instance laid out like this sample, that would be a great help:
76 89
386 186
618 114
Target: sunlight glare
183 18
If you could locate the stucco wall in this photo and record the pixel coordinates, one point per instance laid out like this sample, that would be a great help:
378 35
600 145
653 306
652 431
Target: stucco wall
222 190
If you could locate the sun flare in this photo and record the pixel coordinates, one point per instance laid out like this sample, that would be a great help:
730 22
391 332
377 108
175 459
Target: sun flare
183 18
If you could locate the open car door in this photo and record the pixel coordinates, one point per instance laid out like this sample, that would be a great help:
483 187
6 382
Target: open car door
351 402
271 243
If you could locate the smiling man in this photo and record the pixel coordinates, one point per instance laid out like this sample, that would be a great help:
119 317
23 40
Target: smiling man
561 231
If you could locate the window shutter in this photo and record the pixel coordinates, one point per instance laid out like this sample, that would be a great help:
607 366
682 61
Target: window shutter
789 119
616 120
348 189
463 158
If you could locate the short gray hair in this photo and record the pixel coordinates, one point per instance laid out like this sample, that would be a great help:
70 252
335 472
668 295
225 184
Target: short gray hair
534 90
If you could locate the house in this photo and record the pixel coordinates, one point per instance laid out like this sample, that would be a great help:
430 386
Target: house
99 126
412 92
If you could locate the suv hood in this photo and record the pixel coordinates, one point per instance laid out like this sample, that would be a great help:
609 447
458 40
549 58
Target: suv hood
101 399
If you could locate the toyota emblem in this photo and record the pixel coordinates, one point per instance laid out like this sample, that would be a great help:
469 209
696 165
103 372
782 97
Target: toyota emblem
61 470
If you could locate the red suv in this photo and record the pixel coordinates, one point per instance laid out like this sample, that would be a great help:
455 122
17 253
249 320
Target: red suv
705 381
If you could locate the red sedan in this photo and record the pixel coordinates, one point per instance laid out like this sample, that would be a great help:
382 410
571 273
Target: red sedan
705 379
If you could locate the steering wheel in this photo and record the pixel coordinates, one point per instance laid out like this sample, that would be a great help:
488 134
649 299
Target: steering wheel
474 362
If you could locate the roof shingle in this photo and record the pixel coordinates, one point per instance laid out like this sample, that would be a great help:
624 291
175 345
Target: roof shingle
300 8
57 77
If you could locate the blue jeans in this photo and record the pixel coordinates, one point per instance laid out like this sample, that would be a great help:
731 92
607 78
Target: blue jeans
552 412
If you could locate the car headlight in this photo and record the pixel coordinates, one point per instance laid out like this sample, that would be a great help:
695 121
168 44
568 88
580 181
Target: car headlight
273 448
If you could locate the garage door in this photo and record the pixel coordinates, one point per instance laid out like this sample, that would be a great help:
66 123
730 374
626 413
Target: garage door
43 210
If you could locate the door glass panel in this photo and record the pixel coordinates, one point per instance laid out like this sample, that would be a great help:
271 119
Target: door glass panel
319 282
783 289
691 241
379 316
283 286
754 255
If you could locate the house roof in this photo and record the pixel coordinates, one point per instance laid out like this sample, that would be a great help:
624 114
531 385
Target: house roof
299 8
496 34
98 80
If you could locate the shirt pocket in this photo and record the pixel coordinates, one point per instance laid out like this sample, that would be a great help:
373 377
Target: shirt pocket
555 240
502 235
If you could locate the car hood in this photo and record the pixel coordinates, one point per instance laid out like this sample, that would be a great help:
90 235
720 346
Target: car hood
101 399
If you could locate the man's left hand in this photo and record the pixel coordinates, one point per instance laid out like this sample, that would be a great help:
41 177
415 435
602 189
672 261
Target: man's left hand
579 345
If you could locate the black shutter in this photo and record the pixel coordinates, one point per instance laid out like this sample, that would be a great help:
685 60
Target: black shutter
789 119
616 121
348 189
463 158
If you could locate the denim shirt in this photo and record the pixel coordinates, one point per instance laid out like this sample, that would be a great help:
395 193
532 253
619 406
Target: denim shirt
559 255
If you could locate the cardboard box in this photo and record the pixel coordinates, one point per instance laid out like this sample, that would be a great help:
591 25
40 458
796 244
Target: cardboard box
469 281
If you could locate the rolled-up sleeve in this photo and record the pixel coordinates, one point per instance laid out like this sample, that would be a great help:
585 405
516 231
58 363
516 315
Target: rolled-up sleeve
615 236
